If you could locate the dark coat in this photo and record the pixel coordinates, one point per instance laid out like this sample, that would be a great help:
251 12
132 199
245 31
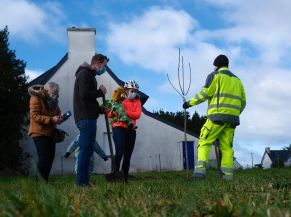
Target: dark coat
85 93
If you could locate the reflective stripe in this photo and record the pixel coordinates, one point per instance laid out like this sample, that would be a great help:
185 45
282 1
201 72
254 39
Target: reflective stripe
223 117
203 94
198 98
226 170
225 105
227 95
201 163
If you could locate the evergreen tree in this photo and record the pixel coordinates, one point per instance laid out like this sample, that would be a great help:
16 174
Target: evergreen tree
193 125
287 148
197 122
14 106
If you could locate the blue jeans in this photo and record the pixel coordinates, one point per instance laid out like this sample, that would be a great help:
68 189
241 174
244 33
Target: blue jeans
87 128
124 140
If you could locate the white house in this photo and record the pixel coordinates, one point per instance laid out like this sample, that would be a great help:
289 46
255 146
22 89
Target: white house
271 156
158 144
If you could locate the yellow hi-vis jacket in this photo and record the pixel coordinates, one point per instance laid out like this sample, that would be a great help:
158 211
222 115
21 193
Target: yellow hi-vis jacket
225 94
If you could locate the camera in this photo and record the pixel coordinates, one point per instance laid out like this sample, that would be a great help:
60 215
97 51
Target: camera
66 115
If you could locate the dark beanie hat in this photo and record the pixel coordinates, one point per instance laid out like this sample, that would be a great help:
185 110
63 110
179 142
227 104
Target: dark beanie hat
220 61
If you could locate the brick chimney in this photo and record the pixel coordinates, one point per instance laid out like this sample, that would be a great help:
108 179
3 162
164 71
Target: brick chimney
81 42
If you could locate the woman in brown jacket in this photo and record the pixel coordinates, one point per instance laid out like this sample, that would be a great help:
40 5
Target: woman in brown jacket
44 115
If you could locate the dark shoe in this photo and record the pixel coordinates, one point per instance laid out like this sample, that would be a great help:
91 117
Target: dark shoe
114 177
84 185
110 177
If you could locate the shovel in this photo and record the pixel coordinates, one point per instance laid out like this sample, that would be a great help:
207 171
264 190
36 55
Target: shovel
111 176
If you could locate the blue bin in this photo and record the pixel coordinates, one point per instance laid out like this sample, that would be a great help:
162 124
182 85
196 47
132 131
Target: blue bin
190 145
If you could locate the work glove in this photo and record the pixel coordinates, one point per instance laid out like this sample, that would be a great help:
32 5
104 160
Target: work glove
67 155
186 105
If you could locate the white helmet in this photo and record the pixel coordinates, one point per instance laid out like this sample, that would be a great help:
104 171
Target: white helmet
131 84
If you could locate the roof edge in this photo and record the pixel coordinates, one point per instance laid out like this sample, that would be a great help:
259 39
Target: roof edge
44 77
152 115
143 96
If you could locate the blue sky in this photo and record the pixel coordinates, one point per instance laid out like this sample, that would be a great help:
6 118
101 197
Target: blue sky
142 40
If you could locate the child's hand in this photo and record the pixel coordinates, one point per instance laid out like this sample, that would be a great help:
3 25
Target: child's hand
106 110
115 113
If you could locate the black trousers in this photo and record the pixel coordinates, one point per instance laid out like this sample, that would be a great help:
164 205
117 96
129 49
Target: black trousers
124 140
45 148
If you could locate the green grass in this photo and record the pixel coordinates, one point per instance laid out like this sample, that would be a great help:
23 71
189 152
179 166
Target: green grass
251 193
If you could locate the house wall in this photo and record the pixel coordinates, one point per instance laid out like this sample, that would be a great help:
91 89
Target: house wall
288 162
157 145
266 162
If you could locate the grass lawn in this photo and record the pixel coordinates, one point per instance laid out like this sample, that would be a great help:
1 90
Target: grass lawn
252 193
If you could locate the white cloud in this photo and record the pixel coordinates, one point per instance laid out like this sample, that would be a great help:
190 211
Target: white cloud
151 39
263 24
28 21
255 37
32 74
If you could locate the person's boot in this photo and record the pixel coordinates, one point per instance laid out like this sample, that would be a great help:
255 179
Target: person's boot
227 177
111 177
199 173
198 176
125 177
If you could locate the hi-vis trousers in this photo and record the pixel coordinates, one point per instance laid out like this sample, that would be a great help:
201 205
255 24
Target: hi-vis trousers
209 133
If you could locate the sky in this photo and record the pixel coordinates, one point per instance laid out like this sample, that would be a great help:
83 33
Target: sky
142 39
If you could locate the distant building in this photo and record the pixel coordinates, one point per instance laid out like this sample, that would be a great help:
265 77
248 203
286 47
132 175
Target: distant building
271 156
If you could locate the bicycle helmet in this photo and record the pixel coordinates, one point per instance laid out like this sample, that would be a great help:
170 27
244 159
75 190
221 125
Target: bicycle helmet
131 84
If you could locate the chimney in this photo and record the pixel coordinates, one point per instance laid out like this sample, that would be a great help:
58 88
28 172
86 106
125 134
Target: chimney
81 42
267 149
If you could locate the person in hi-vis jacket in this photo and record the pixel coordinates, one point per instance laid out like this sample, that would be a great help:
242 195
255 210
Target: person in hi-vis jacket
226 101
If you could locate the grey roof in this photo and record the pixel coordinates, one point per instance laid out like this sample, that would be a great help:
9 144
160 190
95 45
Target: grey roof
43 78
143 96
284 155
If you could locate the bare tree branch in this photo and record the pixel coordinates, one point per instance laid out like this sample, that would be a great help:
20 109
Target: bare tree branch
183 71
189 81
179 80
183 94
174 86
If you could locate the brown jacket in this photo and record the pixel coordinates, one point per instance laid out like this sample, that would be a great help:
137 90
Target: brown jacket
41 123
